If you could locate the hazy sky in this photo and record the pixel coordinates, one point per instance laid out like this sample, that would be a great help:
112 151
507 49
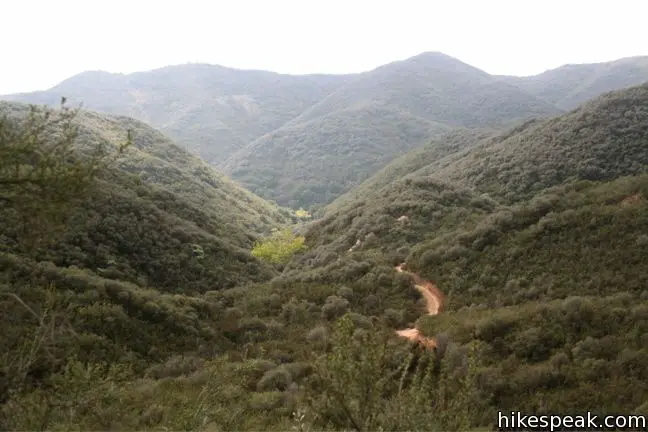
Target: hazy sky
46 41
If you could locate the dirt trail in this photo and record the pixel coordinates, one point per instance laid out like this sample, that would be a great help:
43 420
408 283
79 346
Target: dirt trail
434 299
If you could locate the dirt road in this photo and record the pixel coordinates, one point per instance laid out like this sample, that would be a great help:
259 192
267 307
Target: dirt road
434 300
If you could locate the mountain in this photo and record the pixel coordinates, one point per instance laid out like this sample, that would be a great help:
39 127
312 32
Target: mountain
571 85
604 140
149 312
342 140
535 235
122 268
435 154
212 110
306 140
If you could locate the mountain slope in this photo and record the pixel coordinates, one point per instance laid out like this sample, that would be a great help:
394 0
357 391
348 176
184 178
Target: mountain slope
246 122
570 85
341 132
536 236
602 140
432 156
146 218
315 161
212 110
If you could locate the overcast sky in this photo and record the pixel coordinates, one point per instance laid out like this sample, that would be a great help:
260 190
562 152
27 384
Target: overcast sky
46 41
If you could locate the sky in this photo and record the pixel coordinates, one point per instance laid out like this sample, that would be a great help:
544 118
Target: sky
45 41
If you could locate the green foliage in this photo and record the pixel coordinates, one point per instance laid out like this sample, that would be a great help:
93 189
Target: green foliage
280 247
150 313
363 383
602 140
42 172
302 214
343 139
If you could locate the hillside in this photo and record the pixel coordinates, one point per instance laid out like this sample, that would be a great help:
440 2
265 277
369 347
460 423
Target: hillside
434 155
170 201
544 279
602 140
571 85
107 272
385 112
212 110
316 161
306 140
146 310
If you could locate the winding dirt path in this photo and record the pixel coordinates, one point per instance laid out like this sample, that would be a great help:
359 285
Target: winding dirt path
434 300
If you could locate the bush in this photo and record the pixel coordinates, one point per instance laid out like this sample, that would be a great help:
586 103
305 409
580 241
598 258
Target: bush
279 247
334 307
275 379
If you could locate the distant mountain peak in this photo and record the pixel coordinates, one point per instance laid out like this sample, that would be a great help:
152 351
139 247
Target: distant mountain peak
434 60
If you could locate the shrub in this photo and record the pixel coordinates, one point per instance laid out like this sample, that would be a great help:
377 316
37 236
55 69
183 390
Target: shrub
279 247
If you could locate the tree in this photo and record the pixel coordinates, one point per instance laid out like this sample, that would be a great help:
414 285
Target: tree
44 170
279 247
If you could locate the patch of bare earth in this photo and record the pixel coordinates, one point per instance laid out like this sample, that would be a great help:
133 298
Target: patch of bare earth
434 300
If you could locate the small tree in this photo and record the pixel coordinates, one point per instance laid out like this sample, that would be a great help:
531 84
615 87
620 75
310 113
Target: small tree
43 169
279 247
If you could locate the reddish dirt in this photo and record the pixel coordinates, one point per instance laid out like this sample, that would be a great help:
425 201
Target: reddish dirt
632 199
434 300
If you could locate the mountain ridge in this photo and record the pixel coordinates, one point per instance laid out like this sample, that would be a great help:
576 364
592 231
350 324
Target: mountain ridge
229 115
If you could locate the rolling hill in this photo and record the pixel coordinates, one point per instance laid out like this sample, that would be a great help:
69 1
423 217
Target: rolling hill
340 141
571 85
149 312
212 110
535 235
305 140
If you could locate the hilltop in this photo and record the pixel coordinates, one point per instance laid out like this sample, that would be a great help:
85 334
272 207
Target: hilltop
340 141
212 110
571 85
306 140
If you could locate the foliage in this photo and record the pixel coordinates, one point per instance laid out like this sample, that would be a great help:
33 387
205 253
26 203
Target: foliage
42 174
602 140
302 214
360 127
149 312
279 247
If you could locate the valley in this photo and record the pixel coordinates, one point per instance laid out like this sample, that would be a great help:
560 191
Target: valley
415 247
